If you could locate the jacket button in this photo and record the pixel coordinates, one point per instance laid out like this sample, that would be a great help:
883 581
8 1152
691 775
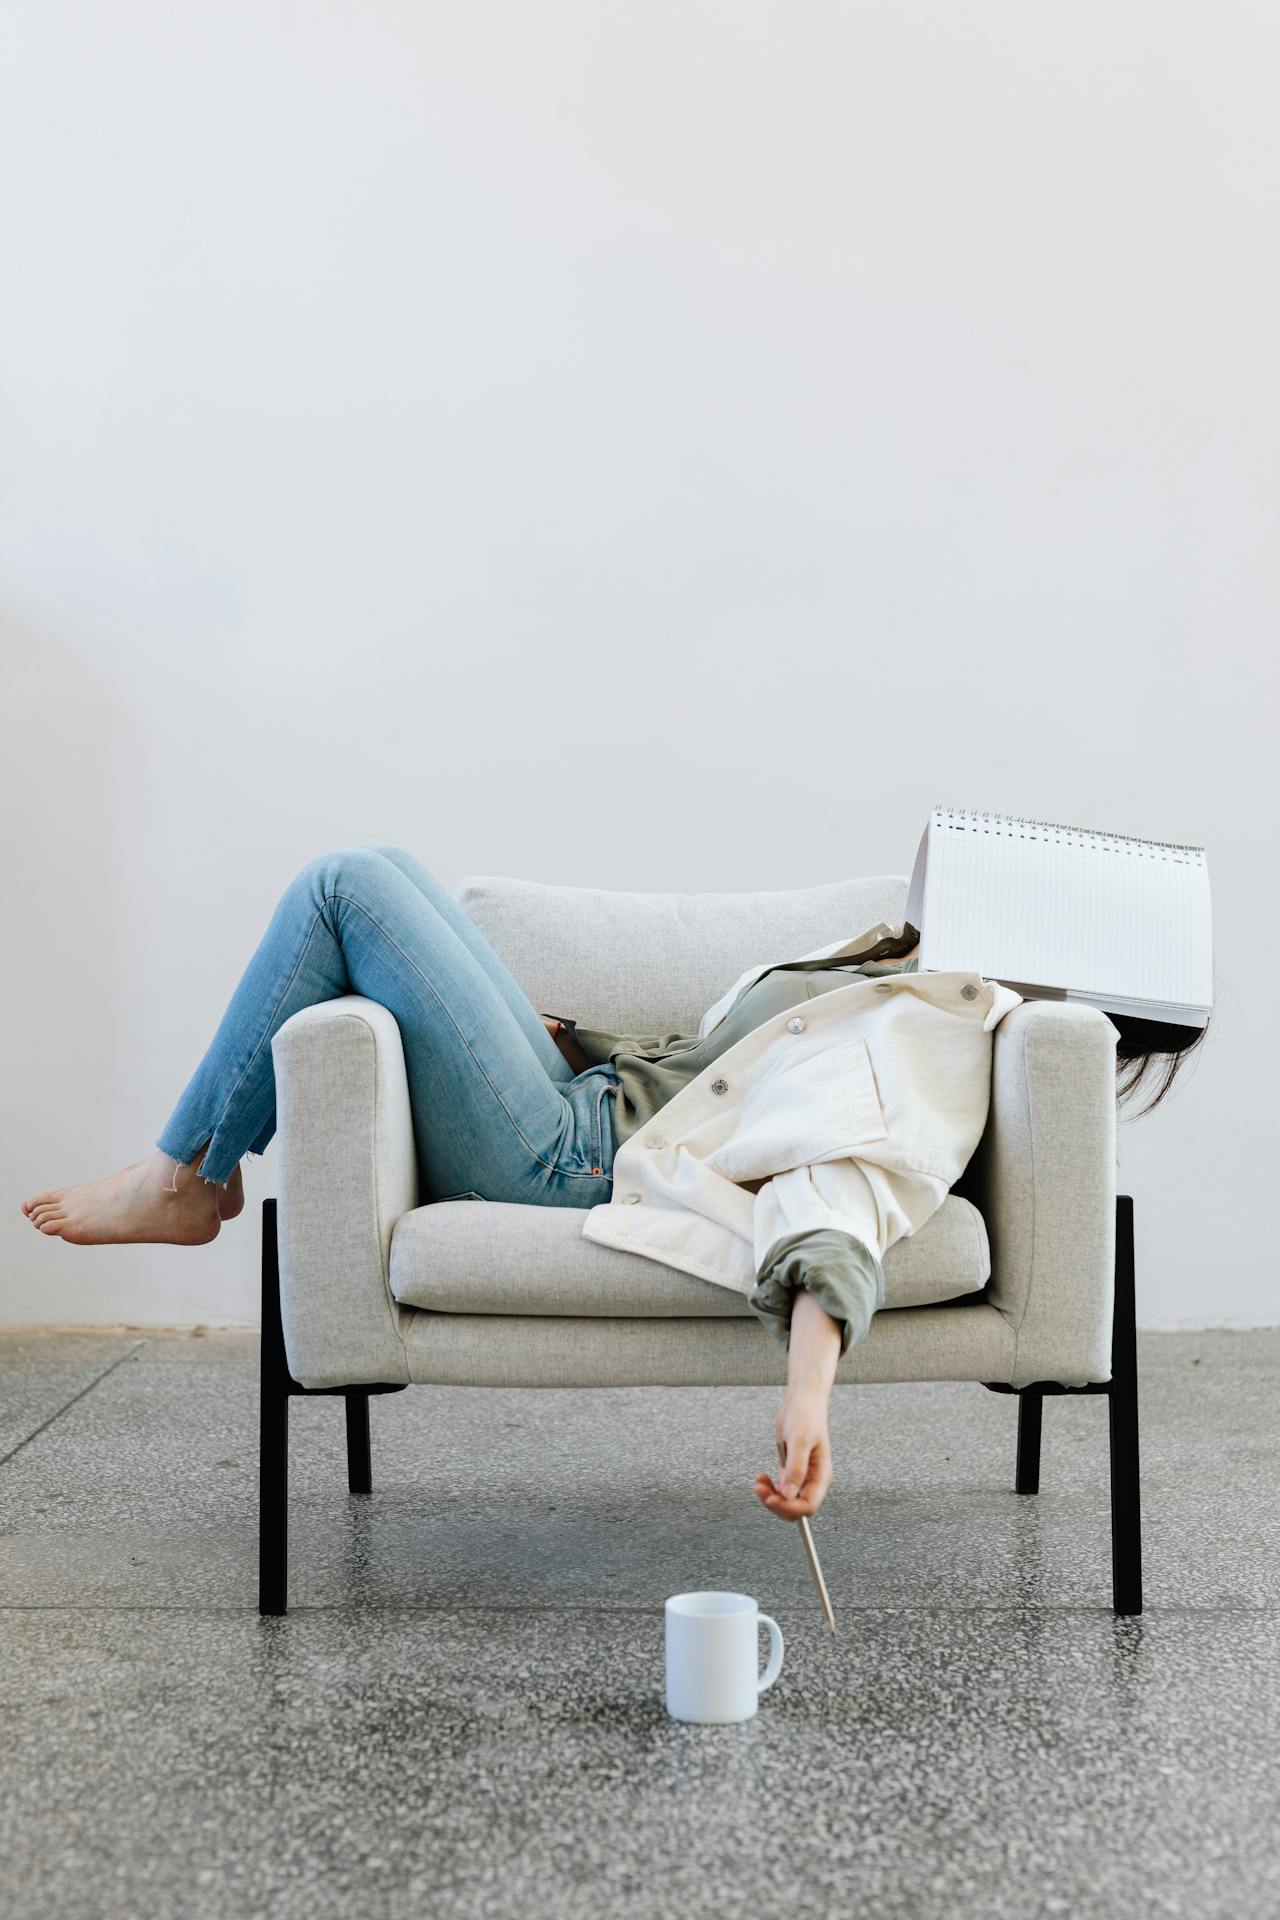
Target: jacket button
655 1140
796 1025
968 991
719 1086
629 1199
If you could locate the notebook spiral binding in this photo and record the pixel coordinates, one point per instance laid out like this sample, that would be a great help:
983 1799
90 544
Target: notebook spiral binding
1057 826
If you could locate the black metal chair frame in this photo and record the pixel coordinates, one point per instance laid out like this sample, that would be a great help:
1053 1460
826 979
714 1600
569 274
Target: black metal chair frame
279 1387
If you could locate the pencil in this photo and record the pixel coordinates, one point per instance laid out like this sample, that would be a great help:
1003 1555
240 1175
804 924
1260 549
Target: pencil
811 1554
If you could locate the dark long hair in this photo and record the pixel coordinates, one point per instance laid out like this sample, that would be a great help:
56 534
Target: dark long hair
1150 1052
1147 1052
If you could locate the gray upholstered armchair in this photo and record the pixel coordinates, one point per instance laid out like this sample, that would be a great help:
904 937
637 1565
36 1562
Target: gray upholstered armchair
1022 1280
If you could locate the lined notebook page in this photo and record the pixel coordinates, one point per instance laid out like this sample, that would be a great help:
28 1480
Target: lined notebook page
1059 907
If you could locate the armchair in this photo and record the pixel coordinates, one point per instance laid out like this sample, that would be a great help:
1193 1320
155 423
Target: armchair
1021 1281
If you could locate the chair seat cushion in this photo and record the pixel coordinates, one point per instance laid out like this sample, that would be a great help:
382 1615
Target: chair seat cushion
480 1256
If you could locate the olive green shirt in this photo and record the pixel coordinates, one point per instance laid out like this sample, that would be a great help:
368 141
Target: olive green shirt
839 1270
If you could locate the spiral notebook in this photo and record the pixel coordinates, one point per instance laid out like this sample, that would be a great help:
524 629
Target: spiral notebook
1066 913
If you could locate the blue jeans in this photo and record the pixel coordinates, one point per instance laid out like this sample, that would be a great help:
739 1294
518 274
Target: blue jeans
498 1112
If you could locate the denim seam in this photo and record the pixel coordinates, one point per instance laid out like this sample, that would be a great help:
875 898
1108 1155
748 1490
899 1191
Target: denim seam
262 1042
597 1158
566 1173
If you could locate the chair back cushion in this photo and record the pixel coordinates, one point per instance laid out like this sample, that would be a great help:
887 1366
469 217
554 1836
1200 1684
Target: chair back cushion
654 962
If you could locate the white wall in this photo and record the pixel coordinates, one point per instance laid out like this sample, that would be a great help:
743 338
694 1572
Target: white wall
521 432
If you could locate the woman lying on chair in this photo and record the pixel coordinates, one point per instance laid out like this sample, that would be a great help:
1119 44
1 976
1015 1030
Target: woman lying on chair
507 1104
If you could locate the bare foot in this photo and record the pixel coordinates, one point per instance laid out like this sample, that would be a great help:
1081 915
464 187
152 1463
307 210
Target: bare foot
231 1199
137 1204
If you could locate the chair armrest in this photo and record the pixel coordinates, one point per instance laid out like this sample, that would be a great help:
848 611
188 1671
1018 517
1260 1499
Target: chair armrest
1044 1179
348 1170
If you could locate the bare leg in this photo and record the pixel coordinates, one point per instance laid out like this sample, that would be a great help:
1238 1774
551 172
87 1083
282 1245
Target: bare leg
231 1197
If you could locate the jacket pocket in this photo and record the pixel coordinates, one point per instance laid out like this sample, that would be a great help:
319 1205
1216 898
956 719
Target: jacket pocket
820 1108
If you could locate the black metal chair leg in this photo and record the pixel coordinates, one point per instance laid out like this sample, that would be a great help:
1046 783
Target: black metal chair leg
278 1388
359 1457
1122 1413
1126 1507
1030 1408
273 1442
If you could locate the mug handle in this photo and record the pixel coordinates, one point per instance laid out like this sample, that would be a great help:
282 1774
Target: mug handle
774 1667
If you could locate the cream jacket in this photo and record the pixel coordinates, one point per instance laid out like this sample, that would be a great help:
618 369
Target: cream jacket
855 1110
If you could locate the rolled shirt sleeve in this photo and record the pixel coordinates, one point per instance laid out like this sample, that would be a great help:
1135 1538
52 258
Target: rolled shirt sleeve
842 1274
827 1228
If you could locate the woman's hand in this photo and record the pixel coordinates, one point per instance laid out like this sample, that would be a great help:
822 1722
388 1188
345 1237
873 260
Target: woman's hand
801 1485
801 1427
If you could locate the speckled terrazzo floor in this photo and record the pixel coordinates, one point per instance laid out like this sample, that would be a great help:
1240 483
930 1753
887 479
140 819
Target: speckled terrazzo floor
462 1714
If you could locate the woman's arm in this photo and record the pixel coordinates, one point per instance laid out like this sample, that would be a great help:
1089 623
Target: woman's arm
801 1424
817 1292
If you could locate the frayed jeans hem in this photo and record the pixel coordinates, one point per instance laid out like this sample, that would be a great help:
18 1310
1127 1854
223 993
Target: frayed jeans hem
185 1159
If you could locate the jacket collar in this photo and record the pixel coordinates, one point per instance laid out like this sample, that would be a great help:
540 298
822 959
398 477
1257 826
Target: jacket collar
859 948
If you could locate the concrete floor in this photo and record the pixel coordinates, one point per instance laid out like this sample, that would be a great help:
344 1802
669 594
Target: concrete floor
462 1715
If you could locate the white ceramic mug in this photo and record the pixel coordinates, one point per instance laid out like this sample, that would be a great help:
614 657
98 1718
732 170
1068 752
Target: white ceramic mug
713 1656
